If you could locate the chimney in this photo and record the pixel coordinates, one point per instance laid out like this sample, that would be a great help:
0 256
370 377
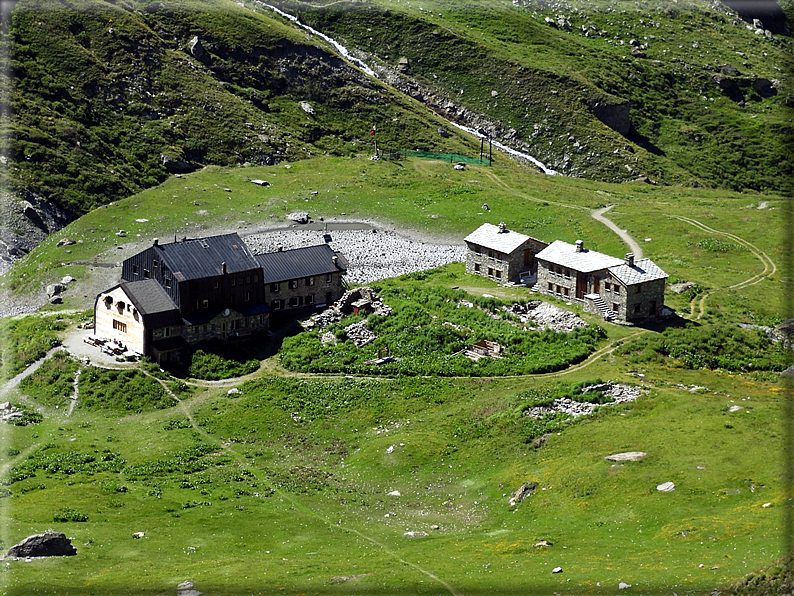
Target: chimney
223 267
579 246
335 260
502 227
630 259
280 249
156 241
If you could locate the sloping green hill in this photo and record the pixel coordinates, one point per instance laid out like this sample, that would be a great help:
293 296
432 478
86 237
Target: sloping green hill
683 93
108 98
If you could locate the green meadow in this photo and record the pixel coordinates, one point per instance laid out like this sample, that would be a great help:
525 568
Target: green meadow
285 486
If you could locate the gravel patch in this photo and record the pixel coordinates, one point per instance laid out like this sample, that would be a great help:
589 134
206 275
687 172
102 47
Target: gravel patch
372 254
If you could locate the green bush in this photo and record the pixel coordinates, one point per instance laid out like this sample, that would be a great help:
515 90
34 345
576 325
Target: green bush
427 331
213 365
712 347
121 391
69 515
52 383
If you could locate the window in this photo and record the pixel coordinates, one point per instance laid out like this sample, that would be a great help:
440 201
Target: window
154 264
490 271
607 286
294 301
277 304
478 250
329 278
476 266
234 281
247 297
565 291
293 283
559 290
551 287
205 303
248 279
637 308
491 254
135 270
120 305
146 273
274 287
499 273
119 326
167 282
108 301
310 299
217 284
262 319
166 332
309 281
639 288
615 307
616 288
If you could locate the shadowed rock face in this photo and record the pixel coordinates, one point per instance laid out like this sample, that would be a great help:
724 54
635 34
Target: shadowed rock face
767 11
48 544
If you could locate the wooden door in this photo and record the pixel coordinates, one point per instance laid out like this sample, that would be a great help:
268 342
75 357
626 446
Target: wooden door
581 284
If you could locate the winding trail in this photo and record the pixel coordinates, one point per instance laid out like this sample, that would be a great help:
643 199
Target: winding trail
14 382
769 265
598 215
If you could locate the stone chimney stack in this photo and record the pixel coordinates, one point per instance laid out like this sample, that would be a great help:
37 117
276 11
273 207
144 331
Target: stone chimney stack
579 246
223 267
502 227
156 241
630 259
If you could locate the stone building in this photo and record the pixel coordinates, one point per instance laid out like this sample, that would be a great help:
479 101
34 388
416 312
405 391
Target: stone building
303 277
501 254
177 294
611 287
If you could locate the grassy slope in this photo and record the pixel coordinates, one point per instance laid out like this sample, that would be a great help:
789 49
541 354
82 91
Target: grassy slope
102 91
291 495
411 191
684 128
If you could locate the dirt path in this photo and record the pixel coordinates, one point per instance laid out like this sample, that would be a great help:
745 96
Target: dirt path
14 382
769 265
598 215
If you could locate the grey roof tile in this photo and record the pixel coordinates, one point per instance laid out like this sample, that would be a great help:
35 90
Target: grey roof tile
489 236
300 262
587 261
202 257
642 271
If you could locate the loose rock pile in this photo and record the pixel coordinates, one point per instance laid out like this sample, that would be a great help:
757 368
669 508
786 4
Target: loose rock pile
359 333
344 306
618 392
9 413
546 316
372 254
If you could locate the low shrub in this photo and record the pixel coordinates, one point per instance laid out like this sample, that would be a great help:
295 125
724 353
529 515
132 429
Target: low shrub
69 515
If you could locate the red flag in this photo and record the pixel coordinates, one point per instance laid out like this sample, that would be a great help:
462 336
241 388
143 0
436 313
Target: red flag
372 132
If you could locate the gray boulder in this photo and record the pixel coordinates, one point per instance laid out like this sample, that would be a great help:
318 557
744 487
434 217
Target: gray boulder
300 217
54 289
48 544
197 50
523 492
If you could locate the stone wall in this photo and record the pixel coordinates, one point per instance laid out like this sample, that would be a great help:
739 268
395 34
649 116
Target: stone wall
128 327
638 304
297 293
499 266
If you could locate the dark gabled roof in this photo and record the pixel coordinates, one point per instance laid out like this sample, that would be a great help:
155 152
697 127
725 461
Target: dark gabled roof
300 262
203 257
155 306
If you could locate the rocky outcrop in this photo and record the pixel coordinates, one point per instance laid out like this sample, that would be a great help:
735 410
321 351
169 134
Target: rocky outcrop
522 492
614 115
48 544
25 221
197 50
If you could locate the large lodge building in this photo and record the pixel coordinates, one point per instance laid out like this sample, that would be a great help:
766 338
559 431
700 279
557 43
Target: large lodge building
178 294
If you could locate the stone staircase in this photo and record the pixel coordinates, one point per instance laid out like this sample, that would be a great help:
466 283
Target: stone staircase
602 307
